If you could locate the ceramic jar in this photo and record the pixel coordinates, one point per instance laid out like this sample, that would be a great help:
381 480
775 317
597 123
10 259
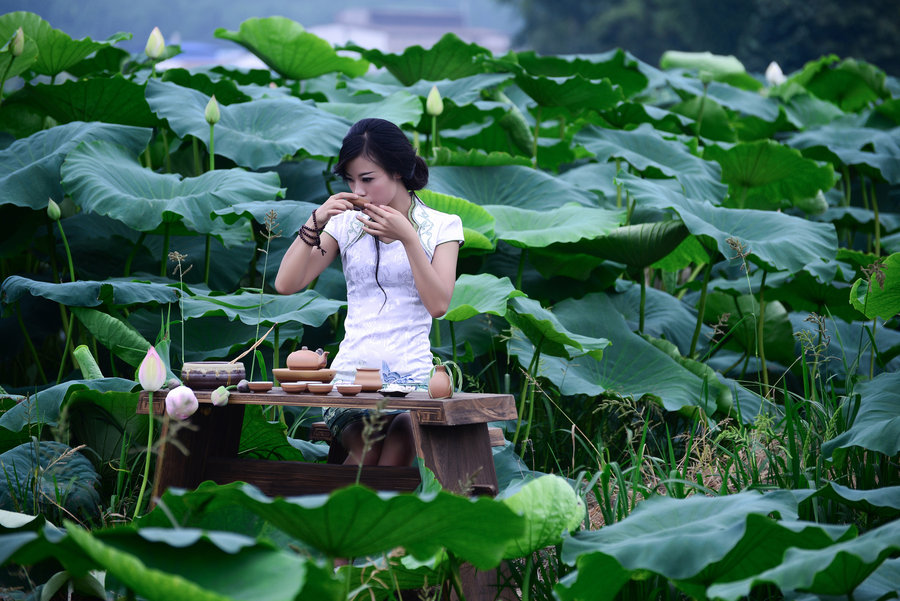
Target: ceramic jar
209 375
369 378
440 386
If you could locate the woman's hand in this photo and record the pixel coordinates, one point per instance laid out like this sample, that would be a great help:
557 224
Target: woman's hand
387 223
335 205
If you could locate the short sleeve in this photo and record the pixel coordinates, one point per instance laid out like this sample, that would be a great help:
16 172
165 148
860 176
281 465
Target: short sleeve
451 229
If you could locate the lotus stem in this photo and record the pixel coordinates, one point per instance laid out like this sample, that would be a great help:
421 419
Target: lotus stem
643 300
701 309
275 359
453 341
212 146
434 136
30 344
168 157
65 241
206 254
618 185
525 395
66 347
700 110
760 341
521 268
198 169
133 253
140 498
165 250
877 221
537 133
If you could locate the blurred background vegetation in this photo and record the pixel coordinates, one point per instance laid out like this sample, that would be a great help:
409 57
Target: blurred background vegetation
790 32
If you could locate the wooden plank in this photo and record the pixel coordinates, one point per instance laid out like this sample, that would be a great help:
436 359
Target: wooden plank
460 456
291 478
461 408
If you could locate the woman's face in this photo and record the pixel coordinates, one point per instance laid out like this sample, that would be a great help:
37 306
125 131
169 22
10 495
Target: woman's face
373 184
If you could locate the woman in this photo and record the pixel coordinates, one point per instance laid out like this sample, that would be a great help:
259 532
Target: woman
399 261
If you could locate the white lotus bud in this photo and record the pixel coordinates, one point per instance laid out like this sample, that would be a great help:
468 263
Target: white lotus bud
181 402
434 104
774 76
219 396
156 44
212 111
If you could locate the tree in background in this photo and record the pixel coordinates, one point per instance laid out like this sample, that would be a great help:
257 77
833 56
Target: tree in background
755 31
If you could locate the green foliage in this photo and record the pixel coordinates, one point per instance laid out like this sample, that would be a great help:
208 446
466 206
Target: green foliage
682 273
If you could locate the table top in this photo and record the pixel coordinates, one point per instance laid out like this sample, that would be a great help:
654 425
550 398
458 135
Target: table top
461 408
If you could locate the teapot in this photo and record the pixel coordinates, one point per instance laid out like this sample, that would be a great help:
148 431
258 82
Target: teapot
307 359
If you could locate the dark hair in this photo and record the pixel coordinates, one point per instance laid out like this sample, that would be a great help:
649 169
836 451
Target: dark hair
387 146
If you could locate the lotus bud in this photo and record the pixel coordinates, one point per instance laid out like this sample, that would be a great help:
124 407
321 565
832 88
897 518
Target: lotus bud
181 402
434 105
219 396
212 111
52 210
774 75
152 372
18 43
156 44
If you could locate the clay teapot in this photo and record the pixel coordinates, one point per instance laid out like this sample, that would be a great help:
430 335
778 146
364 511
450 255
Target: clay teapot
307 359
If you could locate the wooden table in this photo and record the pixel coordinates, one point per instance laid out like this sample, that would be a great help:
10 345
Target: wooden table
451 438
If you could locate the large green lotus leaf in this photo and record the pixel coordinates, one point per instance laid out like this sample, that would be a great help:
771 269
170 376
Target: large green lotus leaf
226 89
741 101
478 223
400 108
665 316
290 50
879 297
692 541
263 439
645 147
861 220
115 334
835 570
463 92
714 66
631 366
544 330
764 174
108 180
449 58
776 240
29 168
875 151
510 185
638 245
573 93
742 325
615 65
101 419
477 294
884 501
802 292
43 408
529 228
476 158
114 291
551 508
288 215
48 477
356 521
851 84
56 50
877 423
308 307
185 563
108 99
254 134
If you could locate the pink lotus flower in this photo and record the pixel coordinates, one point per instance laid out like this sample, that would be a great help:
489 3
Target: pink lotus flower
181 402
152 372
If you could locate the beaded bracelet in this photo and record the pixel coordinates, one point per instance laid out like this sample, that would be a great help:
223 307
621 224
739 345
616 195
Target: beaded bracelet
313 233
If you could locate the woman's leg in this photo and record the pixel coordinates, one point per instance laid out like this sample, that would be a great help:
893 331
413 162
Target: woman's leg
399 447
352 440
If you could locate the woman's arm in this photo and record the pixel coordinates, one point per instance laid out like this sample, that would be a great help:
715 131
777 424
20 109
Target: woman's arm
434 280
303 263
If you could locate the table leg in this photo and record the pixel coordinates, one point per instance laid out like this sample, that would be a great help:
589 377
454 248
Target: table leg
210 432
460 456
